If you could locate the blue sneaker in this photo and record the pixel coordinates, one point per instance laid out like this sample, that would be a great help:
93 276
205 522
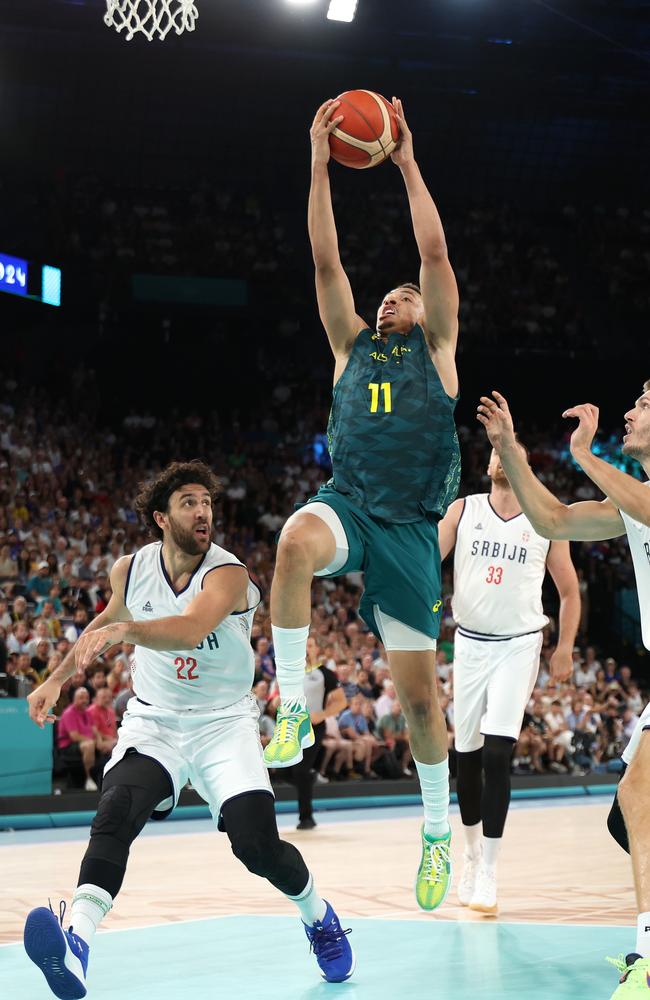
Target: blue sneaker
61 955
331 947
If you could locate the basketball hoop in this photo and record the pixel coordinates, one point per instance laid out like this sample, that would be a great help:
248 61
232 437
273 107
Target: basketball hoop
151 17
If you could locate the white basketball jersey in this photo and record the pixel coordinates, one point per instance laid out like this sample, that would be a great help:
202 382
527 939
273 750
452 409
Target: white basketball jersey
499 567
638 536
220 670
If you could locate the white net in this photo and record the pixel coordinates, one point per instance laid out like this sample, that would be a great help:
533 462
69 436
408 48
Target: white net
151 17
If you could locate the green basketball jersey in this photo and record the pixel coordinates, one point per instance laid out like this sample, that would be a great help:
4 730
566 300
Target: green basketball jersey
391 431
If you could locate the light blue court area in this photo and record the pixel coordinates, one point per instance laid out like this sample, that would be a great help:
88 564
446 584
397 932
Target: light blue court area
267 958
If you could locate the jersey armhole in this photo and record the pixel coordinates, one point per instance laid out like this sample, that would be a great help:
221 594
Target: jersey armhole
128 578
461 513
234 614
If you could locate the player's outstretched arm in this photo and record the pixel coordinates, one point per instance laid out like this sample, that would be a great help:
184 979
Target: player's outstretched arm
565 578
624 491
589 520
44 697
448 527
334 294
224 591
437 279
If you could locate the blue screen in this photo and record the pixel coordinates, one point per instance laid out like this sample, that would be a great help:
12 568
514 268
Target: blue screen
13 275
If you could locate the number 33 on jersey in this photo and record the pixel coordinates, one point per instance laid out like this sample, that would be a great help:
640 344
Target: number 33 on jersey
499 566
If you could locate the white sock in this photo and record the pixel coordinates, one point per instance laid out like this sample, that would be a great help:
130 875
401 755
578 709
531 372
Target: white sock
311 906
473 836
290 646
434 784
643 935
90 904
491 848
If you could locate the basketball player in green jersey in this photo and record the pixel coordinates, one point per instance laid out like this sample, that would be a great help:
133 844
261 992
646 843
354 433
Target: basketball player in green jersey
396 467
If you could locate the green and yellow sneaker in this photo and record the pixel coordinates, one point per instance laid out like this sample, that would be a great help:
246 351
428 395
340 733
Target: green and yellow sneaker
291 735
433 880
635 977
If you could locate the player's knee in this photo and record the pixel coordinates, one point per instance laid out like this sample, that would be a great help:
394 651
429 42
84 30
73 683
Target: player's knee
632 792
419 710
497 753
296 551
469 762
254 852
616 825
119 815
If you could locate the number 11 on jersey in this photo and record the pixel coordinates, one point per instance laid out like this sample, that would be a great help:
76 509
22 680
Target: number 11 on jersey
375 388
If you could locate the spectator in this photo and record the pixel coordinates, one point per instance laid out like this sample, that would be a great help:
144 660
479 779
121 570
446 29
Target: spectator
40 659
8 565
338 751
353 726
96 678
19 611
102 715
79 622
267 663
585 674
561 738
39 584
77 738
345 672
384 704
18 640
392 729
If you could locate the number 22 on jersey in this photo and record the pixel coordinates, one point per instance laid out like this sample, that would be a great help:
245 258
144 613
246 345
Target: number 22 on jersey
181 663
375 388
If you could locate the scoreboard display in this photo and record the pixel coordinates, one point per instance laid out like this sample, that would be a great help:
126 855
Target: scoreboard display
37 281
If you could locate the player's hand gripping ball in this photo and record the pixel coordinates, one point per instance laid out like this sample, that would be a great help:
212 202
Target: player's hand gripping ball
368 132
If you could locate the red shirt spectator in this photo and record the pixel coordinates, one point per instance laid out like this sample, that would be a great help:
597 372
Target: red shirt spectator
76 719
102 713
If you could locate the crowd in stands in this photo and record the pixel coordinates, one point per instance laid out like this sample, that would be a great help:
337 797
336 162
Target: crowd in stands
66 515
66 499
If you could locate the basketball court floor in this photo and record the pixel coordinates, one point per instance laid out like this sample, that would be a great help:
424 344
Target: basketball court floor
191 921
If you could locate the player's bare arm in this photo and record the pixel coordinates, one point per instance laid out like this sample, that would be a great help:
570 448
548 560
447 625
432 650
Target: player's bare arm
44 697
589 520
624 491
437 279
565 578
448 527
334 294
224 592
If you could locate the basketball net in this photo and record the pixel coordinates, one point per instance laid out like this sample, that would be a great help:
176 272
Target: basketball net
151 17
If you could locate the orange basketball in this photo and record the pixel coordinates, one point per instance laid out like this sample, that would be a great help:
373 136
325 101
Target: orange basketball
369 131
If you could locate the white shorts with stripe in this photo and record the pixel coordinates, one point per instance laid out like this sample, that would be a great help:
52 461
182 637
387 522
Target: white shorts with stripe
493 681
218 751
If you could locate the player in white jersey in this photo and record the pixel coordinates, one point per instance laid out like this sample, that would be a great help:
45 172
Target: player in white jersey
187 605
626 510
499 567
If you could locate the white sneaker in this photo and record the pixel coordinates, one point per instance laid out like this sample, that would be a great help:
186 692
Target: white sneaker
90 785
321 779
484 899
467 883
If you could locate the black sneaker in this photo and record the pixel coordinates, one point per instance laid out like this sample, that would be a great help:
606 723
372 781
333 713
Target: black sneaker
306 824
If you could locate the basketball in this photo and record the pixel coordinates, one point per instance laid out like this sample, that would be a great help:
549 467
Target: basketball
369 131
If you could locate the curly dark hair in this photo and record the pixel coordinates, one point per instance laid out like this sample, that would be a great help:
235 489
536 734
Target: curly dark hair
155 495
